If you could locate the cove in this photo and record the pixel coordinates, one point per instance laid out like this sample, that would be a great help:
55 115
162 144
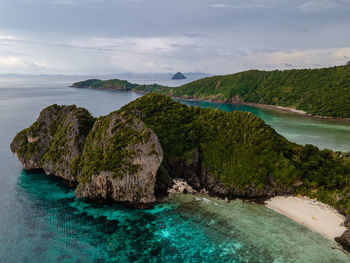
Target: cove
325 134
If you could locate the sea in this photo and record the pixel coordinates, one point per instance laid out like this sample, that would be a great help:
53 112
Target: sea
42 221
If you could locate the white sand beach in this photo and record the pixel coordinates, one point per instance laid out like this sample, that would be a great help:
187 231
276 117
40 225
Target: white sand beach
311 213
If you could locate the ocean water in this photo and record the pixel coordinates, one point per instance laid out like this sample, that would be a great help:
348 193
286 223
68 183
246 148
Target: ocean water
41 221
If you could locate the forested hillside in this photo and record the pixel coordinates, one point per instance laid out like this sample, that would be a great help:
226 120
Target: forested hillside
324 92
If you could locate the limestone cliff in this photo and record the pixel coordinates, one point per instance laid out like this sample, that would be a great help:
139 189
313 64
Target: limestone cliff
55 141
120 160
113 158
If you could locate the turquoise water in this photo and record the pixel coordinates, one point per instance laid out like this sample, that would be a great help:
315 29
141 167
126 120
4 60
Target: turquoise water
327 134
41 221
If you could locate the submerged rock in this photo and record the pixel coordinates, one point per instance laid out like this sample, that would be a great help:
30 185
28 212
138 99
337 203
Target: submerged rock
120 161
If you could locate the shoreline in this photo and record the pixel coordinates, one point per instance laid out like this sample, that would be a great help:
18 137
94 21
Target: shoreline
267 107
313 214
310 213
257 105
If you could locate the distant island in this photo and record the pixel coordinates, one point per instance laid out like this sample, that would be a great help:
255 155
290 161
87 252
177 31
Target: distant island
133 154
317 92
178 75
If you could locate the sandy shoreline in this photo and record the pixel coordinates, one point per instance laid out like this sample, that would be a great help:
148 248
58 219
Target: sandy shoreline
270 107
313 214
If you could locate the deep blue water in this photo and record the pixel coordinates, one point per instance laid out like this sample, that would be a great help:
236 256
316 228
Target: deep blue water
41 221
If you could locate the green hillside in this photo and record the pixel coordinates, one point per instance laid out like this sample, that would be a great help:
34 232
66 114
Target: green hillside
242 152
320 92
324 92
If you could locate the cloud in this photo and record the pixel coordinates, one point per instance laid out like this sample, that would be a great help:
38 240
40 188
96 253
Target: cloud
17 63
63 2
105 55
242 6
342 53
304 58
316 6
106 36
10 61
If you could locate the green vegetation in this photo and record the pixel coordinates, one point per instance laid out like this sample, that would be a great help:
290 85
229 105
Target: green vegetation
242 151
108 84
109 146
117 84
68 133
52 136
324 92
236 148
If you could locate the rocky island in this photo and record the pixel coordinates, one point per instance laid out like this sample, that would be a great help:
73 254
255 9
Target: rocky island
132 155
178 75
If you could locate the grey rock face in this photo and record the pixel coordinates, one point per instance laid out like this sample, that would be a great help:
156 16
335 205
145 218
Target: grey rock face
116 158
130 179
54 141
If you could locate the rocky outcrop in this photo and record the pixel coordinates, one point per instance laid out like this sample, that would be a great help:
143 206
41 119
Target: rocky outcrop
180 186
199 177
114 158
344 240
120 161
215 187
55 141
187 167
178 75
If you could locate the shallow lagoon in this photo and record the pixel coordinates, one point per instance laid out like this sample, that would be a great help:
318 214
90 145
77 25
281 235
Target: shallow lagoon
330 134
41 221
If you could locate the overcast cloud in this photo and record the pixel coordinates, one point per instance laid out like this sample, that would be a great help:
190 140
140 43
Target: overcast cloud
218 37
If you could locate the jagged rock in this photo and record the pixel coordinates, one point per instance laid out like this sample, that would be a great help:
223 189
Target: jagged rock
180 186
216 188
120 161
55 141
344 240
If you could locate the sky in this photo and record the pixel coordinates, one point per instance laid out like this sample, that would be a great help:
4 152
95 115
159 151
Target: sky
164 36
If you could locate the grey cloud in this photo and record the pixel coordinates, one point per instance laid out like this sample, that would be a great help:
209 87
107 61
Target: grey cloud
243 6
315 6
63 2
219 36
